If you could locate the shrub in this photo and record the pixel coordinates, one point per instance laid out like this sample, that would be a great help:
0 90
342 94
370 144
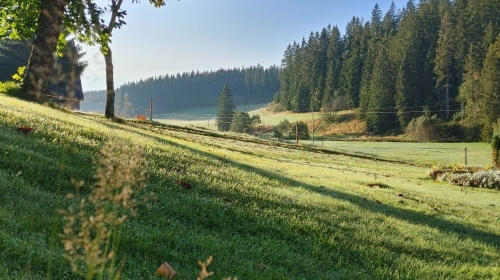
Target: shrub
424 128
241 122
286 130
437 170
303 130
283 129
483 179
141 117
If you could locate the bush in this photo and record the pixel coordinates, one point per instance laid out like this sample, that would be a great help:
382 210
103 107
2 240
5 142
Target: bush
283 129
303 130
424 128
286 130
241 122
438 170
483 179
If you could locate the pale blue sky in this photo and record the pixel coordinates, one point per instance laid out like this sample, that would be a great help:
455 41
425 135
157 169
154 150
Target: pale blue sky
212 34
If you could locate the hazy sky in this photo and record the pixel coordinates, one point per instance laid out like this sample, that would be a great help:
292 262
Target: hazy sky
212 34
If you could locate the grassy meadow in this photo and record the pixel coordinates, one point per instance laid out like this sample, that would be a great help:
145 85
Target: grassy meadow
418 153
271 118
263 210
201 117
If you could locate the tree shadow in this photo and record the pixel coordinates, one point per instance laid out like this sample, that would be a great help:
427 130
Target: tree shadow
413 217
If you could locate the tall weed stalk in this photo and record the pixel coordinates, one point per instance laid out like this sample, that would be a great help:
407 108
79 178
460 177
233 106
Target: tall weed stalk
91 233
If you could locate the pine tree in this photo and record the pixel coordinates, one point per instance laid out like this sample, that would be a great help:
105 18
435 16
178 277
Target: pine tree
225 110
445 59
409 97
489 100
334 64
350 75
470 88
381 117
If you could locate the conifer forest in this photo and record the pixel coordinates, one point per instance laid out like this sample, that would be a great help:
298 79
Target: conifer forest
433 58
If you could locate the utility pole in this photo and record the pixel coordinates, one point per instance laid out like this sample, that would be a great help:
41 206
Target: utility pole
447 97
297 132
313 125
151 110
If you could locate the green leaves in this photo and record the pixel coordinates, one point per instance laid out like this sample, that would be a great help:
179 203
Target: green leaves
18 77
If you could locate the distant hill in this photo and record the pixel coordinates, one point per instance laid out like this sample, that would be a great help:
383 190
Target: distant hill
255 84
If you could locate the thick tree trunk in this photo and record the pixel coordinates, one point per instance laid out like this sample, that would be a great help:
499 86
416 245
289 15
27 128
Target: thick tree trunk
41 59
110 86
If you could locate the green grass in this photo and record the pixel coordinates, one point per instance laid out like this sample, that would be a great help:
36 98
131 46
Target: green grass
205 116
419 153
202 117
263 210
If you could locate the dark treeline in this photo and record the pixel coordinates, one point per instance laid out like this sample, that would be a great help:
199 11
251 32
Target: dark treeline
428 58
254 84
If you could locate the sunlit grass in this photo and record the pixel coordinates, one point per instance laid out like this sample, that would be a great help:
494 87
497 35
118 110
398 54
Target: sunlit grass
263 211
201 117
420 153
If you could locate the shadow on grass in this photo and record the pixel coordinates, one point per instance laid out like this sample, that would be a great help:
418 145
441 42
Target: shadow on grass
462 231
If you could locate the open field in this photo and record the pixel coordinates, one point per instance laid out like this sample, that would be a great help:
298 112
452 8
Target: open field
264 210
203 117
270 118
418 153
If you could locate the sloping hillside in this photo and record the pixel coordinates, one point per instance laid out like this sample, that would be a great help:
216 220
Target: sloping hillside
262 210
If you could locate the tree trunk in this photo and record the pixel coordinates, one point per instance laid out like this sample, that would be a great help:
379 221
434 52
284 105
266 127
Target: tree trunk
110 85
41 59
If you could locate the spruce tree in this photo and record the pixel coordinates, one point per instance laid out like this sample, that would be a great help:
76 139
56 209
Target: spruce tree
380 117
334 64
225 110
444 60
409 98
489 100
470 88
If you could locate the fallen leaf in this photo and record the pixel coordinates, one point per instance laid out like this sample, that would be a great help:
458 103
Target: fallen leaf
166 271
436 209
261 266
25 129
378 201
400 194
185 185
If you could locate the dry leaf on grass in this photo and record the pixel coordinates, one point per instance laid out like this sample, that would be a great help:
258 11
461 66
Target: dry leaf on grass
25 129
166 271
204 273
185 185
